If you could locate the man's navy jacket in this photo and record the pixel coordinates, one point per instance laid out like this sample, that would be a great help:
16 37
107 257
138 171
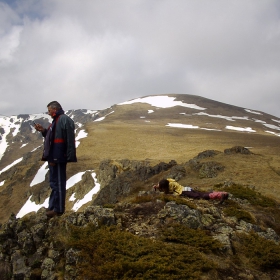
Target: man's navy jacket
59 145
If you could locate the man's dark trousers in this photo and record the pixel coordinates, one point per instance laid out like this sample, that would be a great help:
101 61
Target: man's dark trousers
58 186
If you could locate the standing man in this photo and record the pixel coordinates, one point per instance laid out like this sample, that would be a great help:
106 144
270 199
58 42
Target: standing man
59 148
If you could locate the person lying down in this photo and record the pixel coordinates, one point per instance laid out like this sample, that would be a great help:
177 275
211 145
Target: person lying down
170 186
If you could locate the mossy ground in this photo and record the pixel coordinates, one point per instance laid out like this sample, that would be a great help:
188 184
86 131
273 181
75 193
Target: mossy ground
259 209
175 252
108 253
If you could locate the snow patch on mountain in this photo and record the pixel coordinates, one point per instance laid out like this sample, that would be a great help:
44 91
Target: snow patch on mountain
88 197
274 133
253 112
182 125
272 126
246 129
11 165
162 102
31 206
102 118
41 174
81 134
232 119
12 126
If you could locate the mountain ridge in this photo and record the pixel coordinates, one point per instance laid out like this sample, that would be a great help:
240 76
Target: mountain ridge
116 224
152 128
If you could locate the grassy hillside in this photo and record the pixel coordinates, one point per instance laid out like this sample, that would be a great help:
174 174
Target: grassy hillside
139 131
144 231
156 142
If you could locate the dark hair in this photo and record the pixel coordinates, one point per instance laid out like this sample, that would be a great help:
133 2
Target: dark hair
163 186
54 105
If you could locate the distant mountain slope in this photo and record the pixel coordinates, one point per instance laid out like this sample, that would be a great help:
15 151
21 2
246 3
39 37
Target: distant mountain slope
153 128
201 113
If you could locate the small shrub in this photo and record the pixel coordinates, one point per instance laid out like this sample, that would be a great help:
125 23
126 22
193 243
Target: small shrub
163 197
198 238
264 201
239 214
271 218
251 195
36 273
218 186
233 209
112 206
143 199
5 270
108 253
178 200
263 253
261 203
145 209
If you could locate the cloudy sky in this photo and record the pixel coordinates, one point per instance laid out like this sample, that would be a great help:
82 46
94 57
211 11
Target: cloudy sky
91 54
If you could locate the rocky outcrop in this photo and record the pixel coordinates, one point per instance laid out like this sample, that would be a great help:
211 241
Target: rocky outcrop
30 247
207 154
35 247
117 178
237 150
208 169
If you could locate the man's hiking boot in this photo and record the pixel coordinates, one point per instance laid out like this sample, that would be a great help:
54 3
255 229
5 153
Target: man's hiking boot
52 213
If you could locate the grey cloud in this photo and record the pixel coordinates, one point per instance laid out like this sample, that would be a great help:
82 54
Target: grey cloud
105 52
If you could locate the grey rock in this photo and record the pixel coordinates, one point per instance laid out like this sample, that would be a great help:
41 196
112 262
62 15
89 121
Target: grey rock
47 269
19 265
182 214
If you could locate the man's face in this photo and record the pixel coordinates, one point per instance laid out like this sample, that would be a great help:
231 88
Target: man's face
51 111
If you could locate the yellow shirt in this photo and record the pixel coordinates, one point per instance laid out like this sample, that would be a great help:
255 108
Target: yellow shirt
174 187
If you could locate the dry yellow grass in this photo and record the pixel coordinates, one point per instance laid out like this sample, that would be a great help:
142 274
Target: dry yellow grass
130 132
156 142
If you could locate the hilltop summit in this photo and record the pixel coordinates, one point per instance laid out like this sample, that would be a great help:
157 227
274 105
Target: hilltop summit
149 129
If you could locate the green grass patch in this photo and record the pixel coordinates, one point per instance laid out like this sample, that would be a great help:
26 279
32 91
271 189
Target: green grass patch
262 253
178 200
251 195
112 206
5 270
143 199
108 253
198 239
271 218
268 207
165 198
233 209
239 214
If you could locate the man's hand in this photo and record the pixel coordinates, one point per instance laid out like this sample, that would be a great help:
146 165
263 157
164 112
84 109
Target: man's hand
38 127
